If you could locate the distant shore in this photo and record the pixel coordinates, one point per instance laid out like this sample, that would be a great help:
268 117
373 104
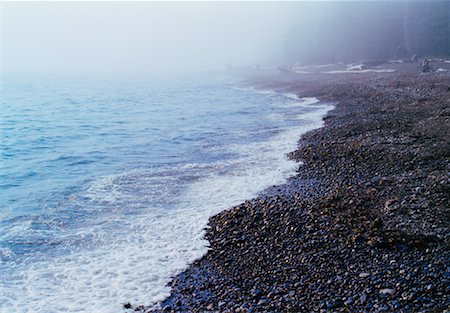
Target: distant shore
363 227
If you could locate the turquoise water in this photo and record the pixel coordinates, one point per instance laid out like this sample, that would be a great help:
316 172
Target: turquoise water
107 184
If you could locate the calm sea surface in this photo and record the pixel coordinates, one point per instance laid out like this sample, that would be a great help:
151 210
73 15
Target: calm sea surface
106 185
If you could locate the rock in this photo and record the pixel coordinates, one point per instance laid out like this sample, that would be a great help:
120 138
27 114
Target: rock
262 302
363 298
364 275
349 302
387 291
255 292
426 68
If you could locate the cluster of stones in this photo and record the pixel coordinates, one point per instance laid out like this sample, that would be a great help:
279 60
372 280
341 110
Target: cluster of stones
363 227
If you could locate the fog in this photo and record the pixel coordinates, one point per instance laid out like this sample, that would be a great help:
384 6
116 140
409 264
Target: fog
177 37
351 31
140 37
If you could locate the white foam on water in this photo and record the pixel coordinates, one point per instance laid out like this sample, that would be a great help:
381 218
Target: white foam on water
292 96
300 71
330 64
303 102
362 71
356 67
263 165
396 61
135 255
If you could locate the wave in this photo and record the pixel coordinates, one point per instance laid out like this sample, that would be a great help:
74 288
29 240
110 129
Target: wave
130 233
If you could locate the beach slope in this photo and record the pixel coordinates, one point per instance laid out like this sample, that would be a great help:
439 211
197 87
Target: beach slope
362 227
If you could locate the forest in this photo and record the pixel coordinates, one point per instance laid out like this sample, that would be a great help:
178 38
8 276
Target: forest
328 32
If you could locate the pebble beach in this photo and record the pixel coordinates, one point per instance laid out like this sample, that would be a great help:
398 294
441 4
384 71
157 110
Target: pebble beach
362 227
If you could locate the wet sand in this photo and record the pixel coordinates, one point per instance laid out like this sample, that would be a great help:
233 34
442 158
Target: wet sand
362 227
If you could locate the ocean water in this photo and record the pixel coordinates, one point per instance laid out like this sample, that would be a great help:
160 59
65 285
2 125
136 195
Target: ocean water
106 185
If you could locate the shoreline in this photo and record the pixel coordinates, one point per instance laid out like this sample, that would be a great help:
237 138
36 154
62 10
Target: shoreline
363 226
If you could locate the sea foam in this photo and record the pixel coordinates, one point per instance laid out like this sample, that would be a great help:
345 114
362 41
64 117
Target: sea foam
131 256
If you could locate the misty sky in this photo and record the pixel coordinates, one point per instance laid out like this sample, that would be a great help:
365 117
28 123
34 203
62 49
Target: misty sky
140 37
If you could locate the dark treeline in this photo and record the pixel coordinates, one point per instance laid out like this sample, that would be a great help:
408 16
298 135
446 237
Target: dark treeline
325 32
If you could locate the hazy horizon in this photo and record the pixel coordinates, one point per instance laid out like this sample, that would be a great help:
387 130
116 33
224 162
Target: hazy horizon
142 38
